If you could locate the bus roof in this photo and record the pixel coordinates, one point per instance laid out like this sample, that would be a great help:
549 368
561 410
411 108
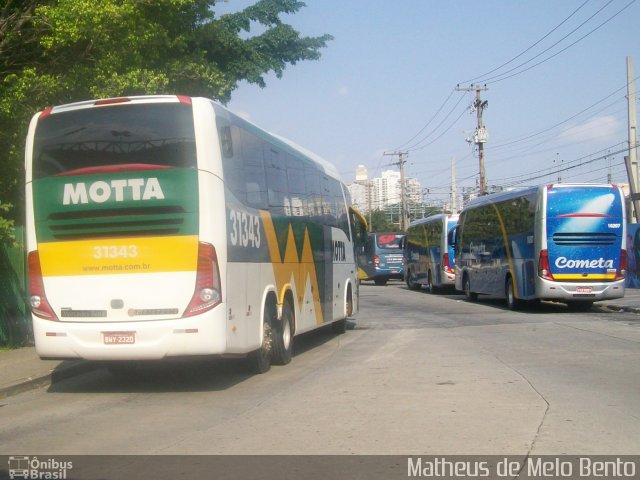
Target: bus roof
282 142
511 194
433 218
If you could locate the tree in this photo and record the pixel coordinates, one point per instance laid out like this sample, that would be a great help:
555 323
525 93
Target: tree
54 52
380 222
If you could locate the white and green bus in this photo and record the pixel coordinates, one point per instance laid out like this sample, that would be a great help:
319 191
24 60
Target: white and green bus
167 226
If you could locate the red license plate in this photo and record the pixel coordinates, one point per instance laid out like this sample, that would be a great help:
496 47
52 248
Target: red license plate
119 338
584 289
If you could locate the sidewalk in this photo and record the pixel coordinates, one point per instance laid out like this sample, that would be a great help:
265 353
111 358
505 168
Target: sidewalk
22 369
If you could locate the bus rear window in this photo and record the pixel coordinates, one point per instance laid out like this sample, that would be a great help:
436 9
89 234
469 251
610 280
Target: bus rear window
389 242
583 202
148 135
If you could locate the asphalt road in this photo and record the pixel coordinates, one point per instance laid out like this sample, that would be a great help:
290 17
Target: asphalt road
416 374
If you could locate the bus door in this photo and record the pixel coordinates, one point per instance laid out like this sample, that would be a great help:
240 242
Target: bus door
359 227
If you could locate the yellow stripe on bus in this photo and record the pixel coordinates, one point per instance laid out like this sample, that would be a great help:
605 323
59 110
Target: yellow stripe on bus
590 276
119 255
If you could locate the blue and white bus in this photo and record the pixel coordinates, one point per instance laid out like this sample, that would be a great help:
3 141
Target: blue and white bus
561 242
429 259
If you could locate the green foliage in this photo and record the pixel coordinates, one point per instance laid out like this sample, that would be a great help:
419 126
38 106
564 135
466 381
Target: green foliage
54 52
379 221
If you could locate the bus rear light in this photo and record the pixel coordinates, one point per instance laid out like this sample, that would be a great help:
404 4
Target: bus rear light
543 266
45 113
38 300
184 99
446 266
376 260
207 293
112 101
622 269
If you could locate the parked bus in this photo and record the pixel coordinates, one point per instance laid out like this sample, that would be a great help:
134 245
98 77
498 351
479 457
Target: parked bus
381 259
164 226
562 242
429 259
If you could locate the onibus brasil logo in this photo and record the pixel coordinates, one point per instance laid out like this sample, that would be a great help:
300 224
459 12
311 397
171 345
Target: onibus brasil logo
38 469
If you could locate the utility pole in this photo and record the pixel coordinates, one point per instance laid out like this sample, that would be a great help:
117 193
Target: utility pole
454 190
404 216
631 160
480 135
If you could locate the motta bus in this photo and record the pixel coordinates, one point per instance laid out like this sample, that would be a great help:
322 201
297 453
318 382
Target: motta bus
561 242
166 226
429 259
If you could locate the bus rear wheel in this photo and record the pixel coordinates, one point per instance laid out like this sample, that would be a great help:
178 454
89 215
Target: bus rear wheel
259 361
411 283
466 286
430 286
512 302
283 336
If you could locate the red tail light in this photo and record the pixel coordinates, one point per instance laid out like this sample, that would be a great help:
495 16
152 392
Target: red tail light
543 266
446 266
622 269
376 260
112 101
207 293
37 299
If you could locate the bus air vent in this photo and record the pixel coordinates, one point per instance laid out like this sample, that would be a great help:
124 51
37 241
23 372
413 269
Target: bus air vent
115 222
586 239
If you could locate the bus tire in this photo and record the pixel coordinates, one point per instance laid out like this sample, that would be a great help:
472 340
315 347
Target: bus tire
466 286
283 336
430 286
259 361
512 302
411 283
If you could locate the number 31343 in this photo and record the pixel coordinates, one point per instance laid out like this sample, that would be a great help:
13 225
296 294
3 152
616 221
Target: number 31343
245 229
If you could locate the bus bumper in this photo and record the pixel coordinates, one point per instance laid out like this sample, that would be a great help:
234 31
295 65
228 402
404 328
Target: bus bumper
152 340
576 291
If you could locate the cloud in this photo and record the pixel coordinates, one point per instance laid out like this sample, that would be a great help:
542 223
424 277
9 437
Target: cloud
604 128
343 91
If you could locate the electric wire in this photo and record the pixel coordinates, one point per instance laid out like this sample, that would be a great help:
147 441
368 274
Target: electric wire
501 77
528 48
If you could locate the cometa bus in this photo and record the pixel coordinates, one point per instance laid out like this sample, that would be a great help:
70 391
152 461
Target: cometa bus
564 242
164 226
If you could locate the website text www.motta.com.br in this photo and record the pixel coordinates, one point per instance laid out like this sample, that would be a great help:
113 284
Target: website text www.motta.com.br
134 267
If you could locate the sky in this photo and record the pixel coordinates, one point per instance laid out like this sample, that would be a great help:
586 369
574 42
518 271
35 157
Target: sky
555 73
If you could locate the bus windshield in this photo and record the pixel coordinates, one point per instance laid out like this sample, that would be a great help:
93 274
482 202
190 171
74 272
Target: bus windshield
159 135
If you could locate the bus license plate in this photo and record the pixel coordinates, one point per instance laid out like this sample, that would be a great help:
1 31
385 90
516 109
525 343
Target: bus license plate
119 338
584 289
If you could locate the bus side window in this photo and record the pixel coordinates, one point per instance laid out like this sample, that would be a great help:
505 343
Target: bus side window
226 142
276 179
254 175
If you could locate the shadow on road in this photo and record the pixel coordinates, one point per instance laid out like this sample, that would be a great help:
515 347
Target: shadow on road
190 374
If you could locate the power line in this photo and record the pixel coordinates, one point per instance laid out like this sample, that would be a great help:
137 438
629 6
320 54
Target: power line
478 78
429 122
497 78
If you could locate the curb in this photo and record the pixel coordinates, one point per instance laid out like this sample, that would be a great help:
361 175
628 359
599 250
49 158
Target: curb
56 375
